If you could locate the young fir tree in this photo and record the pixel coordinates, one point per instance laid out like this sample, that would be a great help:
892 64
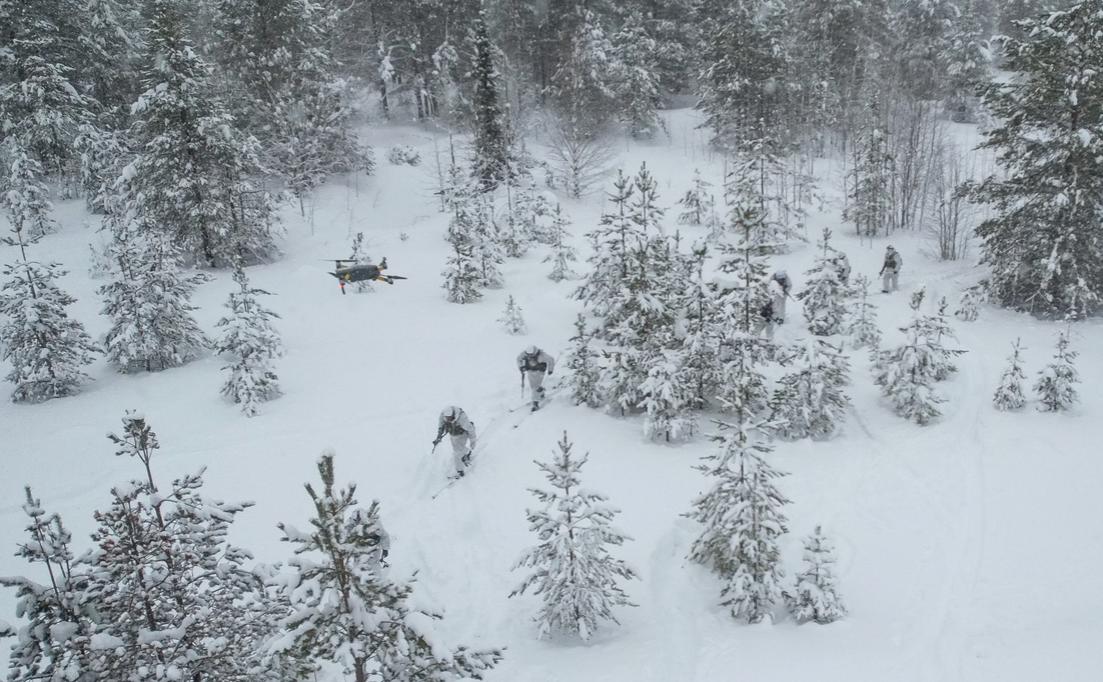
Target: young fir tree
149 304
190 178
251 344
967 307
462 277
345 609
487 242
815 597
491 133
938 330
188 622
55 640
1040 244
563 254
907 373
511 318
862 327
1056 384
612 239
697 203
47 349
742 518
583 368
571 566
810 401
824 309
25 198
668 397
1009 394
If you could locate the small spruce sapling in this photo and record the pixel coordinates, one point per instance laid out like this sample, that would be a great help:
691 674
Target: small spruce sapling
1009 395
571 566
862 327
968 307
1056 384
810 401
251 343
47 349
511 318
345 609
563 254
815 597
583 369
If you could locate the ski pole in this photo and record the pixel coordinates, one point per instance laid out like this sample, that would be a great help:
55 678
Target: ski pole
522 384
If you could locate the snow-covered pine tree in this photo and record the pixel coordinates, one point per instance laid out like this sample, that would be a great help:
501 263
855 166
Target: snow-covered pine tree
583 368
966 62
815 597
938 330
47 349
622 373
1056 384
190 178
810 401
668 396
742 518
571 566
24 196
491 133
925 39
638 85
612 240
742 72
968 306
582 88
862 327
487 242
276 56
1009 394
345 609
871 175
149 304
697 203
824 309
511 319
462 277
55 640
40 103
697 327
563 254
188 622
907 373
1040 243
251 344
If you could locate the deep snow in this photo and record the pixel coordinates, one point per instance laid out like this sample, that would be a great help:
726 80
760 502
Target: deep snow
968 550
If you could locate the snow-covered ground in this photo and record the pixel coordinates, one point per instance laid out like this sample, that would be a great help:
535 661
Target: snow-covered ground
968 550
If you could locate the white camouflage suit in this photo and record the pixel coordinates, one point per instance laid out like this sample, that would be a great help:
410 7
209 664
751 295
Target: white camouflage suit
455 423
890 271
534 366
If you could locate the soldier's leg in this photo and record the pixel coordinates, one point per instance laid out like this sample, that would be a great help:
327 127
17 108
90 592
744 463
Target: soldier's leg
536 381
459 450
886 281
895 280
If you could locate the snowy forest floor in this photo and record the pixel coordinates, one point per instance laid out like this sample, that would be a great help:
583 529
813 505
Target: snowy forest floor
968 550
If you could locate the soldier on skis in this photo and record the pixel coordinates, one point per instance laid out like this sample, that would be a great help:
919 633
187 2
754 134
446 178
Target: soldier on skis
455 423
534 363
890 271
